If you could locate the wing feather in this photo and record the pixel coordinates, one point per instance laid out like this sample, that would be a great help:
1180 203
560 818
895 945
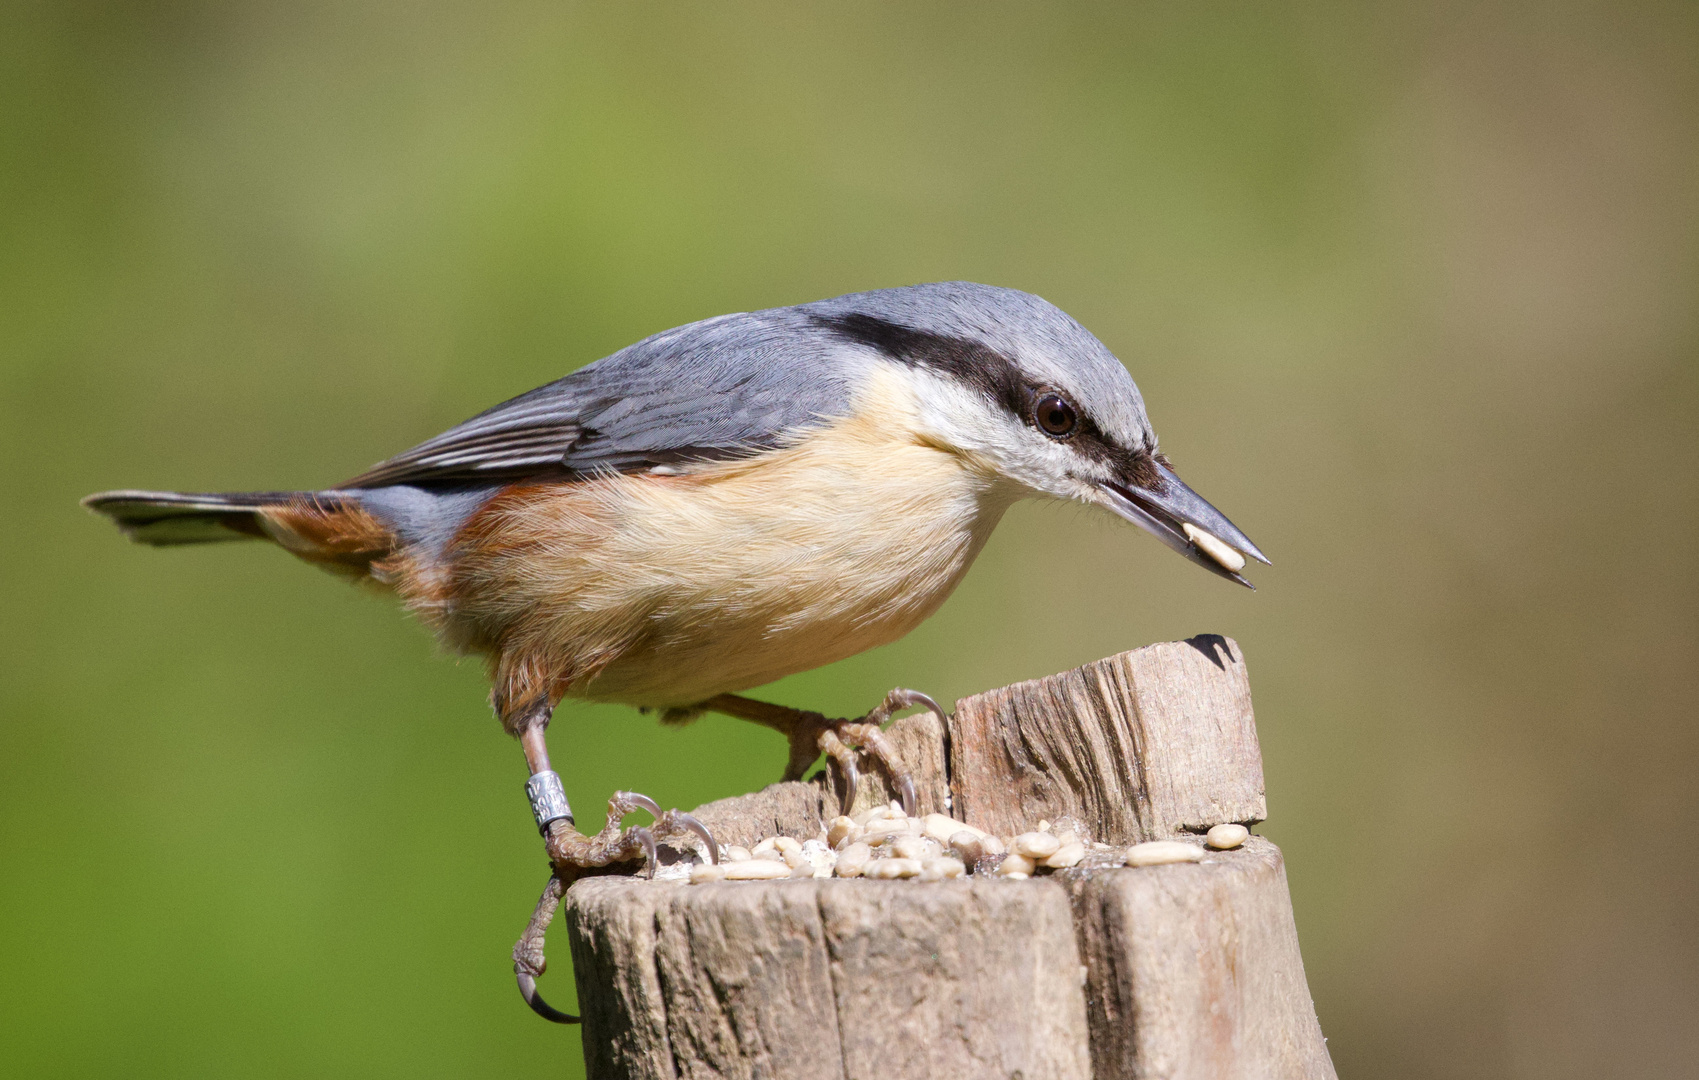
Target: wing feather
725 387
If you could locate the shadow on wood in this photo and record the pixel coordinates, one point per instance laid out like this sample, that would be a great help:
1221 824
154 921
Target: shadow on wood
1181 971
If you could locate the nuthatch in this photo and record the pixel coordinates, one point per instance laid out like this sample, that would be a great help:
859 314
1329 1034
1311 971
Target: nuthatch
724 504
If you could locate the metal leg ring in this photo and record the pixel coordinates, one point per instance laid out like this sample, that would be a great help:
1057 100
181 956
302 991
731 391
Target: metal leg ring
548 800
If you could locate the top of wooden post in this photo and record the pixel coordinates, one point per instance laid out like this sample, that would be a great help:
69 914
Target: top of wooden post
1145 745
1141 746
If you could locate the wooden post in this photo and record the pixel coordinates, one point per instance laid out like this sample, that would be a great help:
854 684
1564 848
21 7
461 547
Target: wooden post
1147 745
1176 971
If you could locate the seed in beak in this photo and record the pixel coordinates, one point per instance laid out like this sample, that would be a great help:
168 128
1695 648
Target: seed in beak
1215 547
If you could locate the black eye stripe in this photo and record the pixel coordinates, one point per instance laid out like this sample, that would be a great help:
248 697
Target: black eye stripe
992 374
970 362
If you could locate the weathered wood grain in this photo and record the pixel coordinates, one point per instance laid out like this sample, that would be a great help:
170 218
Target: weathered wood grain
828 979
746 982
619 987
968 978
1186 971
1194 971
1142 746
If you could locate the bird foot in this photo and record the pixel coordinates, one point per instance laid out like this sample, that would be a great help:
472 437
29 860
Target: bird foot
528 959
571 854
843 740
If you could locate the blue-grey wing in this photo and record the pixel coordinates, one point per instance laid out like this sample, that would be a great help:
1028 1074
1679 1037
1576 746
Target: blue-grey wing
724 387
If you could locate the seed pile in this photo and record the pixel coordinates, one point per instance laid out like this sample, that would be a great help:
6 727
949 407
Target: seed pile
885 843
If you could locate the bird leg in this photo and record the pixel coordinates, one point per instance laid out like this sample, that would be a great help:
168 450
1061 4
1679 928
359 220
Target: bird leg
812 734
572 854
528 960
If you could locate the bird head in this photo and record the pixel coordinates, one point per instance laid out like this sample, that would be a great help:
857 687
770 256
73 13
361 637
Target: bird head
1014 384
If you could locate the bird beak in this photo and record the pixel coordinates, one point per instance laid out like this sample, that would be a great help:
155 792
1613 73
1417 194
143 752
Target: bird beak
1182 519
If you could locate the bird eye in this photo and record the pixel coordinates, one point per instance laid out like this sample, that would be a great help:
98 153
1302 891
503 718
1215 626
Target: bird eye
1055 415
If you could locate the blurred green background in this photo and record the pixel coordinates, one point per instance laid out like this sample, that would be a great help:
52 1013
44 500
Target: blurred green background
1410 290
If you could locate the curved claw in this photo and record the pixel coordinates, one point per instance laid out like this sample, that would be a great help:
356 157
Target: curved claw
647 839
701 832
845 757
669 820
905 782
528 991
906 792
640 802
911 698
627 801
851 776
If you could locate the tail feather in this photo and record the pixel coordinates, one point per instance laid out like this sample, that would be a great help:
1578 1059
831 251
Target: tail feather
329 528
166 518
